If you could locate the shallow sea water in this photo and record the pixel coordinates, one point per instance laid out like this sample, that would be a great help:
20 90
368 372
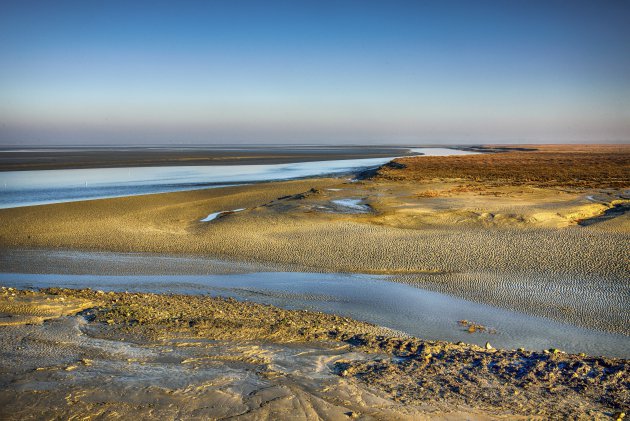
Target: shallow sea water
27 188
376 299
371 298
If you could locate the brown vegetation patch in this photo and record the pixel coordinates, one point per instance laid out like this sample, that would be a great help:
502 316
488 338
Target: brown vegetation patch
604 167
462 188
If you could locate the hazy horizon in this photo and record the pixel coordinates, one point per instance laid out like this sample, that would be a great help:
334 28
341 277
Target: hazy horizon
330 73
324 144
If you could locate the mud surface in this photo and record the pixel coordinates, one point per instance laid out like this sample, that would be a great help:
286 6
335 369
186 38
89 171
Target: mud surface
372 298
146 355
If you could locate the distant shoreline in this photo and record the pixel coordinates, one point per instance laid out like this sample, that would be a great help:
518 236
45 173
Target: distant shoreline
38 158
77 158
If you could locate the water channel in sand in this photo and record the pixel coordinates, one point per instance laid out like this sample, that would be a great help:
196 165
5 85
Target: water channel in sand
27 188
412 310
371 298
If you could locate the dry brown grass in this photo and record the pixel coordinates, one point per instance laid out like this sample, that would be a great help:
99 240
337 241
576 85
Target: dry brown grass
462 188
568 166
430 193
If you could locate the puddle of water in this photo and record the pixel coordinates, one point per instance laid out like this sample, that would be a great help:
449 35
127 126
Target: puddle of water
372 298
216 215
354 205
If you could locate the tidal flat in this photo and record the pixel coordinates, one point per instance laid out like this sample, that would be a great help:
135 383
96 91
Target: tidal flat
144 355
517 245
543 232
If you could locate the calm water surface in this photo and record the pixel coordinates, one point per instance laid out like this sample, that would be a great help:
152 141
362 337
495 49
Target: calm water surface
27 188
372 298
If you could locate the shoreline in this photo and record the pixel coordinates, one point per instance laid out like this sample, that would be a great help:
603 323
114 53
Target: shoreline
378 299
363 358
28 188
528 238
433 244
77 158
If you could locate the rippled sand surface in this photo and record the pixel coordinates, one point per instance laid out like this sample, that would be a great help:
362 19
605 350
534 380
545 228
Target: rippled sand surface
525 232
519 247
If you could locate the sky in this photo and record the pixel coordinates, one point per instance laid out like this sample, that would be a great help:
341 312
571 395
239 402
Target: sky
311 72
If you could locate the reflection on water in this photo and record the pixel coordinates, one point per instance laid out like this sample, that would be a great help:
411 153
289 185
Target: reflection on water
216 215
372 298
25 188
351 205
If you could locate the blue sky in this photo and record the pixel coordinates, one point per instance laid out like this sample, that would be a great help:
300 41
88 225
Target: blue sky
237 71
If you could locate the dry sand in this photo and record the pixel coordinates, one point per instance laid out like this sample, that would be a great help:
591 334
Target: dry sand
147 356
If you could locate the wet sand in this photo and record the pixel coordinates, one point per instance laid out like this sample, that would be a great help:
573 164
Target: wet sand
517 246
537 242
372 298
145 355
